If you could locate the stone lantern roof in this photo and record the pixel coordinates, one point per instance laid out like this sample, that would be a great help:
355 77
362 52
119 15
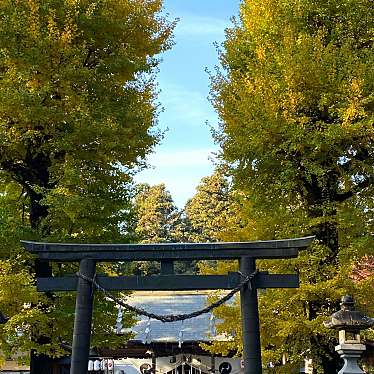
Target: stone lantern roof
349 319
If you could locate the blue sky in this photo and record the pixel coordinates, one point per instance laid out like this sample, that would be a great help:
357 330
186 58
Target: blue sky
183 157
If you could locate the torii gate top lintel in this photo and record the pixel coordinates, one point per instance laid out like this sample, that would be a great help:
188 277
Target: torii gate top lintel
270 249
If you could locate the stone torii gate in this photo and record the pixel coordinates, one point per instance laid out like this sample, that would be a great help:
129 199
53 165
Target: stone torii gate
88 254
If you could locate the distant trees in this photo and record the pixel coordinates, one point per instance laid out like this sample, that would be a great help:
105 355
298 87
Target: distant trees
206 217
157 220
208 209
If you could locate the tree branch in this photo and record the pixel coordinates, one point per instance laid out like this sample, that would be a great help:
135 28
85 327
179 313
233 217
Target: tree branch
357 188
89 53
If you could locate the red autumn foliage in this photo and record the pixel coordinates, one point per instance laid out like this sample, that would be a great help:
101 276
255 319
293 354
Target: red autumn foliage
363 269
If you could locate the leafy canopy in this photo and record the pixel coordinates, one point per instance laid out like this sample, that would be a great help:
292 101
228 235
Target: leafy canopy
295 99
77 103
77 116
158 220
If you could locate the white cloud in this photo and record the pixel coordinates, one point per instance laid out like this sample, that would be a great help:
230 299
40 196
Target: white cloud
180 170
185 105
181 158
201 26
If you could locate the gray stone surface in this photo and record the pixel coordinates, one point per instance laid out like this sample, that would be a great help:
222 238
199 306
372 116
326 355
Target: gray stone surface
350 354
195 329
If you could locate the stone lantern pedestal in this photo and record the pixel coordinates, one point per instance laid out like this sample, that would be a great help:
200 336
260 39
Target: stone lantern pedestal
349 323
350 353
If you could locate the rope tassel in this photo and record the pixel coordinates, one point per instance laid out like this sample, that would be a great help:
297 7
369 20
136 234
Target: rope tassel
180 336
212 325
147 331
118 326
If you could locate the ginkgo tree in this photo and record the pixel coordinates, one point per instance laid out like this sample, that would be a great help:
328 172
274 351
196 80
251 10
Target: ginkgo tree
209 208
295 98
157 220
77 117
77 103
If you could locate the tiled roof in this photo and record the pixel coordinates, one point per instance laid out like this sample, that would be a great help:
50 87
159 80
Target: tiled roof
195 329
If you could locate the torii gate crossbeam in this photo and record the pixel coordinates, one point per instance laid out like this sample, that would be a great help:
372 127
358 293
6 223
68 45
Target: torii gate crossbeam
88 254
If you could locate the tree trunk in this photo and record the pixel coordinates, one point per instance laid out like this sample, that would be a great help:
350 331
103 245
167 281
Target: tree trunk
33 172
37 211
326 231
40 363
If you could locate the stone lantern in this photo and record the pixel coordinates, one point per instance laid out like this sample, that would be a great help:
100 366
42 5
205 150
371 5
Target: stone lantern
349 323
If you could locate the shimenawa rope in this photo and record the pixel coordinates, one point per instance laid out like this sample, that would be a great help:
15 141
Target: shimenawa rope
171 317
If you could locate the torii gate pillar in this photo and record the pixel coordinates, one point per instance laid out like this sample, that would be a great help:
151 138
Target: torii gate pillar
250 321
83 318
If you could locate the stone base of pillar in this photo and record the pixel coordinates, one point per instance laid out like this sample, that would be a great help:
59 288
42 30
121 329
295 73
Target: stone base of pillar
350 353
